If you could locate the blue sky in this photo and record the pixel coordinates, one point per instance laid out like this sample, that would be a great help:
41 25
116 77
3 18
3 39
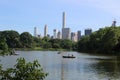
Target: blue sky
24 15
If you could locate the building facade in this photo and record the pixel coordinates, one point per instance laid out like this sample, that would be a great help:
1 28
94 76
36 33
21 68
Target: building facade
59 35
35 32
114 23
74 37
78 35
45 30
64 20
88 32
66 33
54 34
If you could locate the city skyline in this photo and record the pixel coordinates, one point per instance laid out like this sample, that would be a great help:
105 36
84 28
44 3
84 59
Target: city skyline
65 32
24 15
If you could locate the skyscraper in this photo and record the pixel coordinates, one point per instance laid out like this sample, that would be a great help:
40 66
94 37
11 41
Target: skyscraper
35 32
74 36
79 35
59 36
88 32
54 33
45 30
66 33
114 23
64 20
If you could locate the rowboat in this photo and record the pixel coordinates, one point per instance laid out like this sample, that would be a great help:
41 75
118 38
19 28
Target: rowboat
68 56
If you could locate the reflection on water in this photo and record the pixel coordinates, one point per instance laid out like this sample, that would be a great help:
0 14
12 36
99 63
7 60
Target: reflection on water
83 67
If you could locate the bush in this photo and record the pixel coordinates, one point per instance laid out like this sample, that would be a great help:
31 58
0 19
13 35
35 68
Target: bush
23 71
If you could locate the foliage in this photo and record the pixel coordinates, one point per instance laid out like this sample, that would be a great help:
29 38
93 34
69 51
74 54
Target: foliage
3 44
26 39
23 71
56 43
66 44
12 38
105 40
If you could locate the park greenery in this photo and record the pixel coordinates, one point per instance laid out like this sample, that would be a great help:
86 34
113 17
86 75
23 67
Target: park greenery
105 40
10 39
23 71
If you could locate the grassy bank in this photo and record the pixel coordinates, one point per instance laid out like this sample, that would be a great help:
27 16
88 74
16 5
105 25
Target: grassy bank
40 49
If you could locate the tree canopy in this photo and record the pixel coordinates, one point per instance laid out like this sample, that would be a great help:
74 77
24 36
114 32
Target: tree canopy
105 40
23 71
26 39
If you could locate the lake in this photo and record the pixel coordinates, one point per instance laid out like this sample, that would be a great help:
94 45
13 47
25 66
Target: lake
83 67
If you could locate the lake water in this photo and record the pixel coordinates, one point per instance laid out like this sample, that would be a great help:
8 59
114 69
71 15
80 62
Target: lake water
83 67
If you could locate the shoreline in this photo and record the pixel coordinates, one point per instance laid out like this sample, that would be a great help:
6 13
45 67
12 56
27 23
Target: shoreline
41 49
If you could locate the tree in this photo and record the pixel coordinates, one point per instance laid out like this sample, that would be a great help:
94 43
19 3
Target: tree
23 71
105 40
55 43
83 44
26 39
3 44
12 38
66 44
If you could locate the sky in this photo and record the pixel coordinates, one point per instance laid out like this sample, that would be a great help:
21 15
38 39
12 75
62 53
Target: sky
24 15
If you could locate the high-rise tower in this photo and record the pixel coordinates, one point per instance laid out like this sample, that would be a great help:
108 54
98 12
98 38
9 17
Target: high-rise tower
45 30
54 33
59 36
88 32
65 31
64 20
114 23
35 32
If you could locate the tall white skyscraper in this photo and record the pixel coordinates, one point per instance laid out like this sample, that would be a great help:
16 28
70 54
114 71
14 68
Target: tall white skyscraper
35 32
45 30
64 20
66 32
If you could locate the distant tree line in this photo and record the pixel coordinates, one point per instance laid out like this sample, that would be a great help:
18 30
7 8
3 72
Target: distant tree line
105 40
12 39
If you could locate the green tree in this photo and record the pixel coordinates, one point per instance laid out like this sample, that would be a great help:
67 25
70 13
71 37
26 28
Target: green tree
26 40
110 39
3 44
66 44
12 38
105 40
55 43
83 44
46 45
23 71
